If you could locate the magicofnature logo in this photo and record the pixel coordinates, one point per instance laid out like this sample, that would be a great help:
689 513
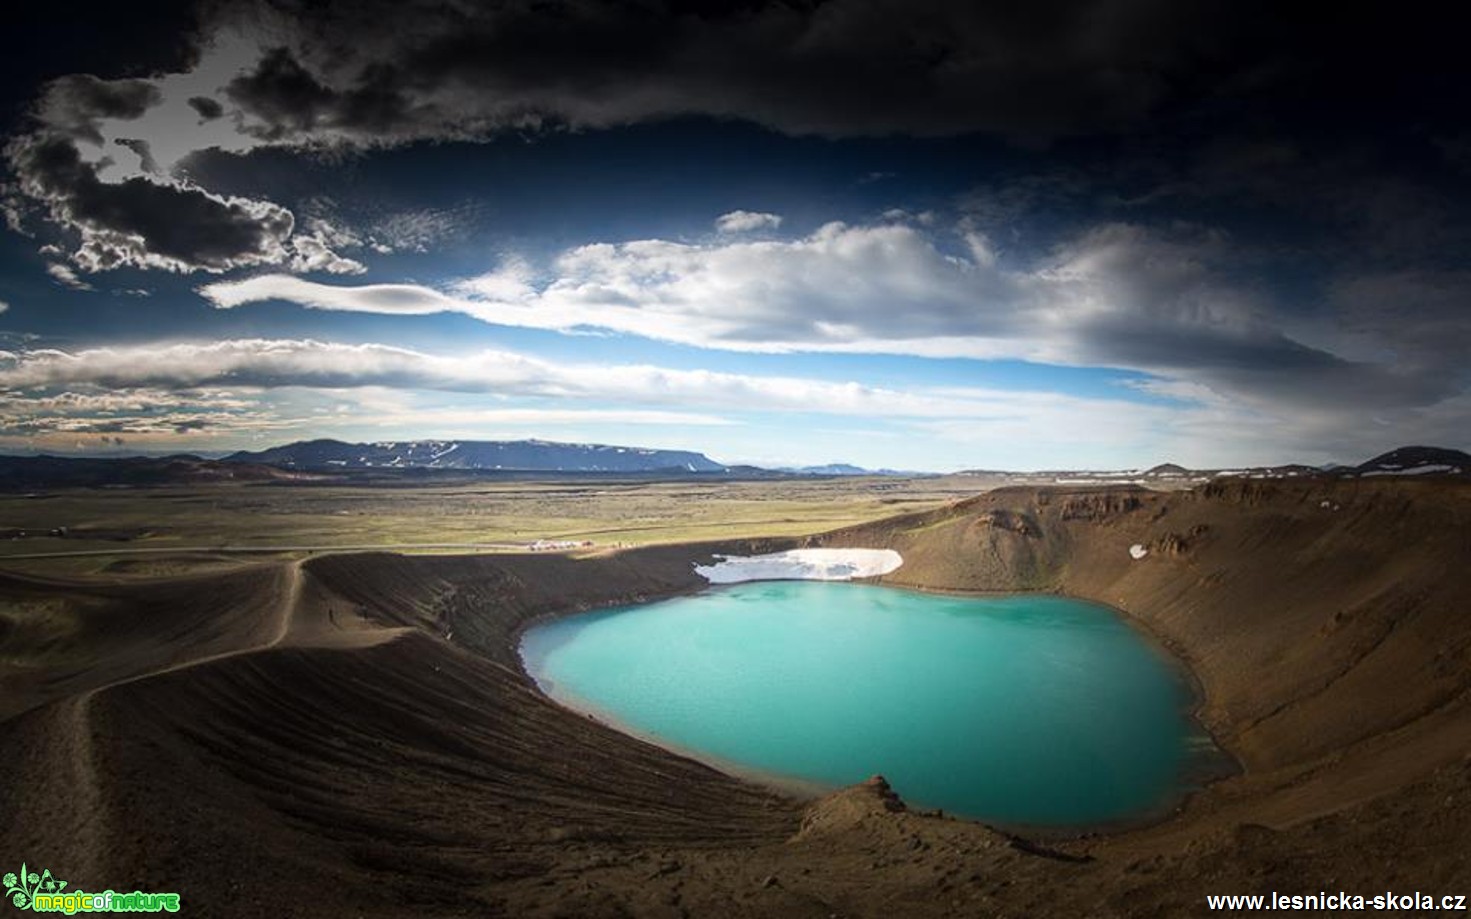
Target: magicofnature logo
43 893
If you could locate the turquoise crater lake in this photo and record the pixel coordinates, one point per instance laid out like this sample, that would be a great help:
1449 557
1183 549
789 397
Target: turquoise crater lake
1023 710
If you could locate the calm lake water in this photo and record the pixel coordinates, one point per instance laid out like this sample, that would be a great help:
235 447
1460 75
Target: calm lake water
1020 710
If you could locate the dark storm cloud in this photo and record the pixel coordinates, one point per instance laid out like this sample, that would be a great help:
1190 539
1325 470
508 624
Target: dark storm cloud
1264 366
73 105
143 151
1423 316
840 68
285 100
141 222
283 94
208 109
1032 72
1178 80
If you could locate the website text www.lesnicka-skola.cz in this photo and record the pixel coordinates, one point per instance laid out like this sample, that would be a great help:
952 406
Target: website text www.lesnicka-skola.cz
1387 901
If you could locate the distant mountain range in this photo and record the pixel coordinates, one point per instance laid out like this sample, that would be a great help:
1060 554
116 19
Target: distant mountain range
1400 462
397 462
843 469
510 456
1417 461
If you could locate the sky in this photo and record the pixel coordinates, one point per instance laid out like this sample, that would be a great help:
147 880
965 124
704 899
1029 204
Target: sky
909 234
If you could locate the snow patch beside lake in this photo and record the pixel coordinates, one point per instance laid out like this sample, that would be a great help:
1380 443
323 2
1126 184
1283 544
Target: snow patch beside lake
802 565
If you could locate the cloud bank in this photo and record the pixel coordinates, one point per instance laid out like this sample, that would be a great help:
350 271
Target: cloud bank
1006 426
1118 296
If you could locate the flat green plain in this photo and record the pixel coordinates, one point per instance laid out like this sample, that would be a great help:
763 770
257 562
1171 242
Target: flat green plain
608 511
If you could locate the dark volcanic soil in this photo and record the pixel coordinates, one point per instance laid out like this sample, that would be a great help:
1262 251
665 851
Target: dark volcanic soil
354 735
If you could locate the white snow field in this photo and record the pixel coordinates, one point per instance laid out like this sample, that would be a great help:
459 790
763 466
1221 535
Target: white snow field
802 565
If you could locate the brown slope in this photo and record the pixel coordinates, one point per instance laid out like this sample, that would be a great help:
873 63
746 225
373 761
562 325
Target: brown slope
345 752
60 638
1315 616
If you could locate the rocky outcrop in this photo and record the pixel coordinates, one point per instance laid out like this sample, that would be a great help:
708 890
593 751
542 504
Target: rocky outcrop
1174 545
1100 505
872 801
1013 522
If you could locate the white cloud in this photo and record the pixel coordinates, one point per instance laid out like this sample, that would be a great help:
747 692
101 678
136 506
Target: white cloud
391 299
66 277
841 288
512 282
1118 296
4 306
316 250
746 221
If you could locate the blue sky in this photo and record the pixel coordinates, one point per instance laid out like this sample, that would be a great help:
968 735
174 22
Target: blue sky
575 222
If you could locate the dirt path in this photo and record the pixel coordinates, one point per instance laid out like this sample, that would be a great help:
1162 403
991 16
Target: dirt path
285 613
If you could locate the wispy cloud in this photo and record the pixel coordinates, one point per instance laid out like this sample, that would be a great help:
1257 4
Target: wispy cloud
277 363
447 421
